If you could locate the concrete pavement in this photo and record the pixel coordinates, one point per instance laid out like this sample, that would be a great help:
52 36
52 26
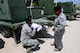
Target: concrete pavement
71 41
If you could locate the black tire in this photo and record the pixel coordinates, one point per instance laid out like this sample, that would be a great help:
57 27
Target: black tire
6 32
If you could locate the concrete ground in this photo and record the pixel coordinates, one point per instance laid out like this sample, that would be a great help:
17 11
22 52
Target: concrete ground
71 41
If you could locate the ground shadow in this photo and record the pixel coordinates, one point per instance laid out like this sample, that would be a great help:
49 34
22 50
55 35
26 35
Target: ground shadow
43 34
40 41
1 44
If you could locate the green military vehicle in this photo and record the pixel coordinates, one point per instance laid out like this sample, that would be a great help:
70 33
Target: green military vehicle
68 9
13 14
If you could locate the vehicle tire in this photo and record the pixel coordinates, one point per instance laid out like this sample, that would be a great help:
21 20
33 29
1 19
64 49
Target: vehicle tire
6 32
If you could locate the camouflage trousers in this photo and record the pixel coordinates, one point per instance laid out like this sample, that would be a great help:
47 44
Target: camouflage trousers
58 39
31 42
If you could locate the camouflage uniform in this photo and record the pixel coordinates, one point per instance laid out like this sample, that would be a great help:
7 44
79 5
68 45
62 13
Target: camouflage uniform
59 28
26 34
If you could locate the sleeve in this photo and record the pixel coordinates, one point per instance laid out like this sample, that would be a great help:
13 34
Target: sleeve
31 32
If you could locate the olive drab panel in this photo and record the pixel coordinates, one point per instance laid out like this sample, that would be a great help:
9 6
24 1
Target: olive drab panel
67 7
4 10
47 6
12 10
40 8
